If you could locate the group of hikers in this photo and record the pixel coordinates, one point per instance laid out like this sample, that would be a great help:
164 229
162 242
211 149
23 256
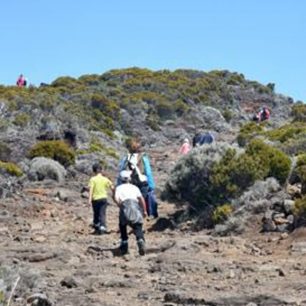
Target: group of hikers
207 137
133 193
198 140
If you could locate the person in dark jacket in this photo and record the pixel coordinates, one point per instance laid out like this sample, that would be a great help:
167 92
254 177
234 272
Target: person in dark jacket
200 138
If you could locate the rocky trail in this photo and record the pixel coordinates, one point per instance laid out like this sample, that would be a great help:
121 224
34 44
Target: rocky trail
48 250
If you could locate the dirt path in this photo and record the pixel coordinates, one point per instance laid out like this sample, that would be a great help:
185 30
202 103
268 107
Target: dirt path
49 243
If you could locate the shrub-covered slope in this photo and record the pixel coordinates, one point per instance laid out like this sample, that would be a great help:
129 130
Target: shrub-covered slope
94 114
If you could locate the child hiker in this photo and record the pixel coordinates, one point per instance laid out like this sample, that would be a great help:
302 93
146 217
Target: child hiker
98 187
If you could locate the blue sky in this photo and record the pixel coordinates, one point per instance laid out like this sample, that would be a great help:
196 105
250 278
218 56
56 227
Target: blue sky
263 39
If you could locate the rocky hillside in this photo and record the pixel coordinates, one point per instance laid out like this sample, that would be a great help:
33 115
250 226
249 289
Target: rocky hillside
252 179
96 113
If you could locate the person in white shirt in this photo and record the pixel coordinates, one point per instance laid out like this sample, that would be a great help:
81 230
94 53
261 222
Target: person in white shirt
132 211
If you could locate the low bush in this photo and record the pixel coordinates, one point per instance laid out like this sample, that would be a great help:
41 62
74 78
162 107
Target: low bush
96 146
235 79
287 132
233 174
214 175
228 115
10 168
54 149
301 171
221 213
22 119
276 162
299 211
193 177
165 110
105 105
66 82
5 152
248 132
299 112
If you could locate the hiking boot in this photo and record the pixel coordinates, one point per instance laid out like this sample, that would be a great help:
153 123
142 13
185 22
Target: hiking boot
124 247
103 230
141 247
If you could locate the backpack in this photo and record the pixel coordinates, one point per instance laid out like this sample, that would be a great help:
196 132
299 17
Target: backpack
137 178
131 212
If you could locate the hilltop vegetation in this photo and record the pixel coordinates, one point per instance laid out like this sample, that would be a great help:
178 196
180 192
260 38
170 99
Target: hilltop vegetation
96 100
76 121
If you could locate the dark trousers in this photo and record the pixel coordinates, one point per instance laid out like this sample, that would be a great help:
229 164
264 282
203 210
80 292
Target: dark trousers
151 204
99 212
137 229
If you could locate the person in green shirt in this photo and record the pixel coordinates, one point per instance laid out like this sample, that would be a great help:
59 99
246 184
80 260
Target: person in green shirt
98 187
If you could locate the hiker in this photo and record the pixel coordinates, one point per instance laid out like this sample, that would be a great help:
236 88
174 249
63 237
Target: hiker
264 114
132 211
98 186
201 138
21 81
142 177
185 148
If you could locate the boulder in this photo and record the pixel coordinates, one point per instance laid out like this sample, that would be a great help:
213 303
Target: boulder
289 206
45 168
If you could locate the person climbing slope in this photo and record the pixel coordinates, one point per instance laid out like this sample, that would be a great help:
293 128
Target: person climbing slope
98 186
264 114
201 138
141 175
132 210
185 148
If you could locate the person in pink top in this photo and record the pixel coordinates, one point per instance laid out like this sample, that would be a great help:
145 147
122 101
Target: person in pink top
185 148
21 81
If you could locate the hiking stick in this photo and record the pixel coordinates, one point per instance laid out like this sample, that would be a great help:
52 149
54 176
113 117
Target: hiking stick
12 292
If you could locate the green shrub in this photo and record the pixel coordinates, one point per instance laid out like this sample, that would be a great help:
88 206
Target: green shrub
47 102
235 79
2 297
233 174
165 110
287 132
105 105
248 132
301 171
22 119
90 79
54 149
193 177
153 122
263 89
5 152
228 115
66 82
299 112
11 168
221 213
275 161
271 86
299 211
96 146
180 107
214 175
